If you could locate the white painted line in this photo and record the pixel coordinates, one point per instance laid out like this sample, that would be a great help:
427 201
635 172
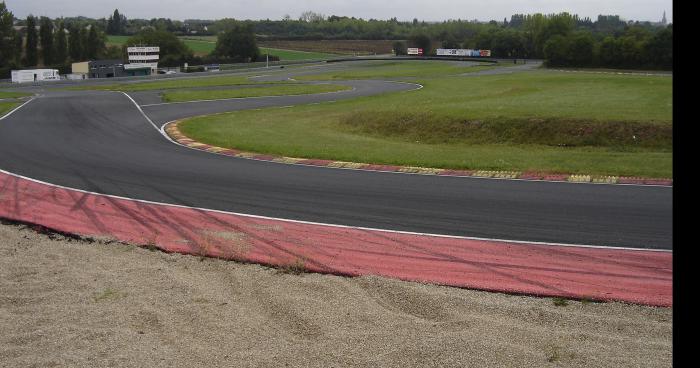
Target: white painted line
338 226
161 130
15 109
148 119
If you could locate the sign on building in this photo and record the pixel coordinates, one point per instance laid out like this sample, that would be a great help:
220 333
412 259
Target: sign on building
143 56
414 51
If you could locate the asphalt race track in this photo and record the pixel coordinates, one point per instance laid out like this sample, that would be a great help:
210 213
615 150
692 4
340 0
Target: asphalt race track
101 142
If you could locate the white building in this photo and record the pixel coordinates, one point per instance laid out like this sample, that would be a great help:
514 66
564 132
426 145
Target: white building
140 57
34 75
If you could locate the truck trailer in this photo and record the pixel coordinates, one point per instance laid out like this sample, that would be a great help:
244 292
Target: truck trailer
34 75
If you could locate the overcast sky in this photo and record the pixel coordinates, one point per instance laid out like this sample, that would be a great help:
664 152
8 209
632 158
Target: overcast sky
432 10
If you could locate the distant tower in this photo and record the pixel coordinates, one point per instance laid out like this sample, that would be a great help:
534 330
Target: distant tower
663 20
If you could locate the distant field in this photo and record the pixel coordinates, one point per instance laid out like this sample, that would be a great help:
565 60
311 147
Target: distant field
204 45
542 121
117 40
172 84
200 48
282 90
346 47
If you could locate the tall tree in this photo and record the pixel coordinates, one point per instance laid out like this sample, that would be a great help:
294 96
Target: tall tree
83 37
95 44
556 51
660 49
581 49
75 45
116 24
46 35
19 46
61 44
8 37
32 53
610 53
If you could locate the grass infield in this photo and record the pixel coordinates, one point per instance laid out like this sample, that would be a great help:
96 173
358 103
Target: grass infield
399 69
283 90
214 81
542 121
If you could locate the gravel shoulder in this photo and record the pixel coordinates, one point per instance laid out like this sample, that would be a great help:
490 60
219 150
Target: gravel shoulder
79 303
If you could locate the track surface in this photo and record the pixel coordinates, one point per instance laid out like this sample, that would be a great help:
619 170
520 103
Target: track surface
100 142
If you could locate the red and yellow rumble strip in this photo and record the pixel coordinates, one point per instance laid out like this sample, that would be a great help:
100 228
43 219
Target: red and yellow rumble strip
174 133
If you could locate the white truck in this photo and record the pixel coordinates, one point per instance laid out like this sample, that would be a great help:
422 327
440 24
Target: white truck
34 75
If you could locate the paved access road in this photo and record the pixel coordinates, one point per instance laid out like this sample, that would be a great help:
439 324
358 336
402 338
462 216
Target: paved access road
100 142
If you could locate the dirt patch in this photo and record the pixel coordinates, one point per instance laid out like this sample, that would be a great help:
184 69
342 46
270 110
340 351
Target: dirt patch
70 302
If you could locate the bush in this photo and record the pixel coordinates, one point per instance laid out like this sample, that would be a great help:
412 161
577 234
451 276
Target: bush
237 43
399 48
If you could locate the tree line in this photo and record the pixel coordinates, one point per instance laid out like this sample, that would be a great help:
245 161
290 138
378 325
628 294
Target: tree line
44 42
560 39
57 44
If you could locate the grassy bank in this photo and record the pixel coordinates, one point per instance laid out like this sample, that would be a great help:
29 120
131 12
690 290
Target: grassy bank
295 89
544 121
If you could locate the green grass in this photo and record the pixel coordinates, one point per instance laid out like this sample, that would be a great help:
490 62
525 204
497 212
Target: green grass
293 55
117 40
199 47
172 84
4 94
398 69
294 89
205 45
541 121
6 107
